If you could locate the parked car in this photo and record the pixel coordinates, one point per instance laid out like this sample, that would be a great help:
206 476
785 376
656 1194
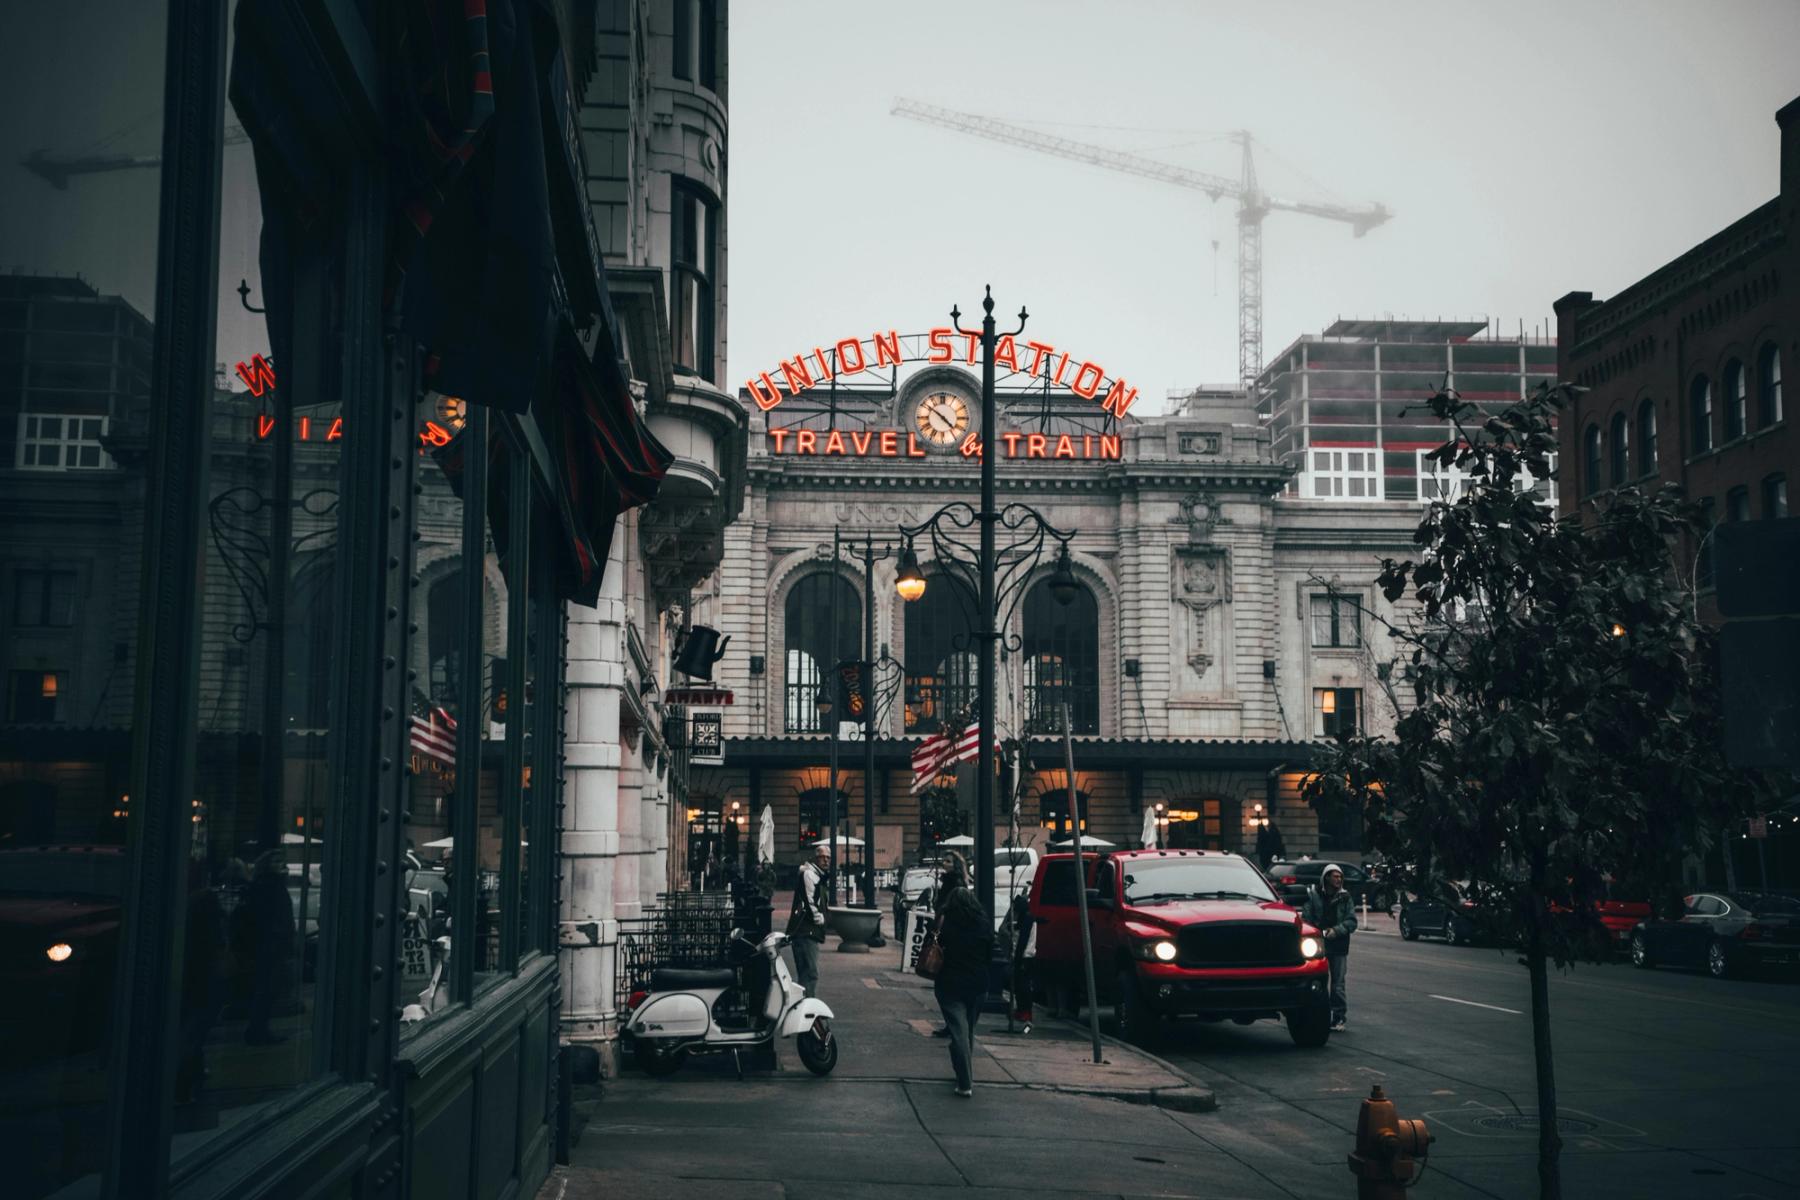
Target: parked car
1450 910
1180 934
1617 917
1294 879
915 882
1723 933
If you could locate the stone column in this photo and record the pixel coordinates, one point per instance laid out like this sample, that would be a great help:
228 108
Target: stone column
591 837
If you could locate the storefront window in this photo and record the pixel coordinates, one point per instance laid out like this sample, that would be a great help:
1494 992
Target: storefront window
493 904
77 310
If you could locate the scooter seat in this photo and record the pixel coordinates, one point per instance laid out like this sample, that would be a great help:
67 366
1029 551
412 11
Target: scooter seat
676 979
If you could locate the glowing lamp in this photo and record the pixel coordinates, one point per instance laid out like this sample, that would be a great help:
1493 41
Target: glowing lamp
909 581
59 952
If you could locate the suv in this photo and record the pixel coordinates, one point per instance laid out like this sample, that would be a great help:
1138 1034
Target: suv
1181 933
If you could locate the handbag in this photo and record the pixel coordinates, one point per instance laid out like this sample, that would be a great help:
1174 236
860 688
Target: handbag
931 958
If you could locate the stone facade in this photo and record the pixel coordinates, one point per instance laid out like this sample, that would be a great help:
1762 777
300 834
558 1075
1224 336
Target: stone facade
1206 681
654 134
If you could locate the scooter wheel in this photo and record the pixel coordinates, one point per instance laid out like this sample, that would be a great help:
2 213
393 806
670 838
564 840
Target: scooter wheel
654 1060
818 1053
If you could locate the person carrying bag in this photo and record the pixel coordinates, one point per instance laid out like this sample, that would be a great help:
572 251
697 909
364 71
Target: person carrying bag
806 922
964 940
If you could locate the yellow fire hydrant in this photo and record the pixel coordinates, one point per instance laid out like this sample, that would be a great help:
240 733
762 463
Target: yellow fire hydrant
1390 1150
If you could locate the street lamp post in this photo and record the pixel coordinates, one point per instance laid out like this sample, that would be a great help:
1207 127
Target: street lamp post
1000 578
870 556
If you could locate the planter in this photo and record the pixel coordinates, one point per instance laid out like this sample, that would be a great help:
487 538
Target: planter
855 927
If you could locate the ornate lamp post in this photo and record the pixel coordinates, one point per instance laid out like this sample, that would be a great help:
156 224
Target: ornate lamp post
999 576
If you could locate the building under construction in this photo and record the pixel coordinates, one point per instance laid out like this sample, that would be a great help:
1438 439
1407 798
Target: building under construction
1348 406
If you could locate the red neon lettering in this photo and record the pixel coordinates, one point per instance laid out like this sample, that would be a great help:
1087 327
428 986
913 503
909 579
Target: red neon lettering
890 443
1065 448
1012 443
258 375
825 372
434 434
1119 398
1034 445
778 436
845 349
1087 392
887 349
265 424
971 446
764 401
1087 445
974 340
835 443
1109 445
306 429
336 432
939 341
1006 353
1061 366
912 447
1038 351
806 442
795 376
861 441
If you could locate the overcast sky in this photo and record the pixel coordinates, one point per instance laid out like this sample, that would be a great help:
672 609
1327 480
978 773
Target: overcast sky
1527 149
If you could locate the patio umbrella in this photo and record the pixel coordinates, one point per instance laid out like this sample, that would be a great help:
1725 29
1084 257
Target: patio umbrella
1095 842
1148 834
443 843
765 835
961 839
843 839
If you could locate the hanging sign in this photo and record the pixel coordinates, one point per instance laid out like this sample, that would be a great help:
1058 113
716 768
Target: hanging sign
706 739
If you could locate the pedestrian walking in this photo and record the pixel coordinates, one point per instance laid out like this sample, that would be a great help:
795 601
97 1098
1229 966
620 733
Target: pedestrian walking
1024 960
966 938
1269 845
1329 909
806 922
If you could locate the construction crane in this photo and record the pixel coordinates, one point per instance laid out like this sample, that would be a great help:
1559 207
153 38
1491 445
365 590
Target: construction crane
55 169
1253 203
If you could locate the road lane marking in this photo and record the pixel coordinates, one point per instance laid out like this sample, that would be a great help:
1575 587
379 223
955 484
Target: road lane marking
1475 1004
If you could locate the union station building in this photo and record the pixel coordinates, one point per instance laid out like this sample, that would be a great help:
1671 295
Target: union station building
1219 627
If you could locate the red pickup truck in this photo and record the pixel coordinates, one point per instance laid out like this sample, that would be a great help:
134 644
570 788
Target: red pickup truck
1180 933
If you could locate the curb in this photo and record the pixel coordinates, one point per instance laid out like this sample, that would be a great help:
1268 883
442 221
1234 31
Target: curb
1195 1096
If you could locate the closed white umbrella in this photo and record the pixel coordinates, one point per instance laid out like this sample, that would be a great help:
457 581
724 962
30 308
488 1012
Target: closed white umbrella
765 835
1148 835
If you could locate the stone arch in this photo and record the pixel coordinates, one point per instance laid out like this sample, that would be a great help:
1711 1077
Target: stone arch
783 578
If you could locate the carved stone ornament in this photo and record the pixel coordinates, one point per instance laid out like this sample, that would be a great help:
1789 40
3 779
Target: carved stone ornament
1202 578
1200 513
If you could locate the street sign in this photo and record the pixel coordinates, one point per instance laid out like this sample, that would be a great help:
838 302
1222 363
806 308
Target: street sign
695 697
706 739
1759 827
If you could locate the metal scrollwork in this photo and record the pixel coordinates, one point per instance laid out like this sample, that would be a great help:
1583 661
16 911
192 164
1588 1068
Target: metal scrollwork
233 520
1020 537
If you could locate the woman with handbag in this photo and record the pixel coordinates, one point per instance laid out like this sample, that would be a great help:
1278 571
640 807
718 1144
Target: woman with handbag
965 937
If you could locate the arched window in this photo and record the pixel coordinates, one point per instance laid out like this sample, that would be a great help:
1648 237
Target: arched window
1062 660
1700 414
812 650
1768 386
1737 400
940 654
1621 450
1590 459
1646 439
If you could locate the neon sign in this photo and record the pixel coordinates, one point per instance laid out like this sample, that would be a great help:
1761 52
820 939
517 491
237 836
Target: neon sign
306 429
895 443
848 356
258 375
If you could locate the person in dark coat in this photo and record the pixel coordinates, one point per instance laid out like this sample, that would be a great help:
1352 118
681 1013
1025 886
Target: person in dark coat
1269 845
966 937
1328 908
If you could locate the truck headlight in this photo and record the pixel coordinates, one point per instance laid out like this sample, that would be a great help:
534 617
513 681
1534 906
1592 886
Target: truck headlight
1309 947
1163 951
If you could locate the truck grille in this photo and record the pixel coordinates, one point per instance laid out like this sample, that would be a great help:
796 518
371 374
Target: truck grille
1244 944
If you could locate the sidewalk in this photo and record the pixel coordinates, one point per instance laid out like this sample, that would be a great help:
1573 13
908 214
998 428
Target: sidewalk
886 1124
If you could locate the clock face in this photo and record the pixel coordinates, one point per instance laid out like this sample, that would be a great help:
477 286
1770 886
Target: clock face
942 418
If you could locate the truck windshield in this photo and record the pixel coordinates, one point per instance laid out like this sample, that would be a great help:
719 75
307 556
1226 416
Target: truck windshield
1192 878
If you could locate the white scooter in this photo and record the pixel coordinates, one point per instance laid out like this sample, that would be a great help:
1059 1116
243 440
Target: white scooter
728 1010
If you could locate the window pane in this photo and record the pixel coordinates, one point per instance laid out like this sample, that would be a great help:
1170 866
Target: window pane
494 794
812 650
1061 659
80 256
940 665
443 613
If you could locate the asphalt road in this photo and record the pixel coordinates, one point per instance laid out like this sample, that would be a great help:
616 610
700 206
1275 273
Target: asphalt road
1669 1083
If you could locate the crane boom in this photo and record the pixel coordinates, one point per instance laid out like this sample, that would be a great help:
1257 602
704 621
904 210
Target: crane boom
1253 203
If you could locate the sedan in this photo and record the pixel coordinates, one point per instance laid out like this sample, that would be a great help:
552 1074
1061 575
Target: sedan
1449 911
1723 932
1293 880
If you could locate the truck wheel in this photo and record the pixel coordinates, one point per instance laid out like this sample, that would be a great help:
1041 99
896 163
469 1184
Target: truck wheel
1310 1026
653 1059
1137 1023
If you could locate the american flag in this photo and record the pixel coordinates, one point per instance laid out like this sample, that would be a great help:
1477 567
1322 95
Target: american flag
434 733
939 751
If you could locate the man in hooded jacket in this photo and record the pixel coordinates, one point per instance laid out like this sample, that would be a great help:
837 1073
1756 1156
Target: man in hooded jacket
1328 908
